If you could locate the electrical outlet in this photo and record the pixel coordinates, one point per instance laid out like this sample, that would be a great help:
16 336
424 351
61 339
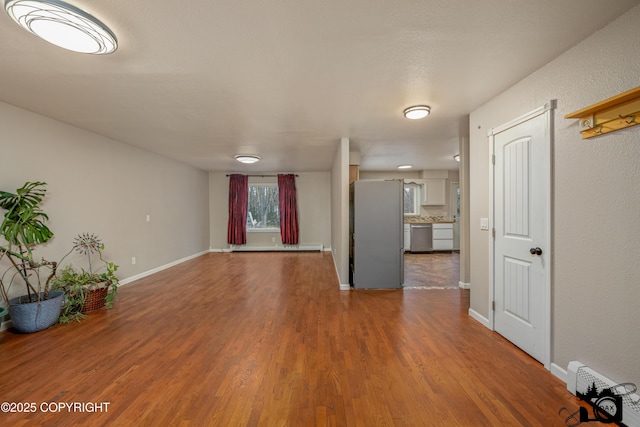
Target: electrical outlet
273 240
133 260
148 218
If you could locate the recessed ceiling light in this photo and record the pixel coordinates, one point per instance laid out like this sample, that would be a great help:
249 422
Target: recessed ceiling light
417 112
405 167
247 158
62 24
456 157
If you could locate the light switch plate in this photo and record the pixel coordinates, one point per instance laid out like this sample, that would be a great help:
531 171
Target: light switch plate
484 223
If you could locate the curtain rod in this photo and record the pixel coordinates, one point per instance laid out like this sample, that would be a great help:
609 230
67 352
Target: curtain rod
263 176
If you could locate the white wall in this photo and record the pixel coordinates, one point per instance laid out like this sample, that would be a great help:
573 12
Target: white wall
218 210
596 238
463 179
314 210
340 212
102 186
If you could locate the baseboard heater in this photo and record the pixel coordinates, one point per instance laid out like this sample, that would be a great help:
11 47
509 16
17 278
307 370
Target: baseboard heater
282 248
597 389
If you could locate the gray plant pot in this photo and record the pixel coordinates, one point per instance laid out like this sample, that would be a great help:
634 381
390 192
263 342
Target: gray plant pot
35 316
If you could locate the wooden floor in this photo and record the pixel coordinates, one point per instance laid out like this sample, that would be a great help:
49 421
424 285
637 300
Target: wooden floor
268 339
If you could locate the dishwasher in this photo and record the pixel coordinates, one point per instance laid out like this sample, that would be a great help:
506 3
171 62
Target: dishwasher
421 238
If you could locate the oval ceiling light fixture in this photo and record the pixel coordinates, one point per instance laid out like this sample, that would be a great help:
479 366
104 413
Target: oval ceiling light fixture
456 157
405 167
247 158
63 25
417 112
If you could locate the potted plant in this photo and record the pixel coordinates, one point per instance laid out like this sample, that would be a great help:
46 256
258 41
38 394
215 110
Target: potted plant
22 230
86 290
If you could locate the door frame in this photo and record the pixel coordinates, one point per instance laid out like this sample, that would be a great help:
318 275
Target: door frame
452 207
548 110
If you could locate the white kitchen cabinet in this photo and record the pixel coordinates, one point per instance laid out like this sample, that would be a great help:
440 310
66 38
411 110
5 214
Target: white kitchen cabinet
407 237
435 191
442 237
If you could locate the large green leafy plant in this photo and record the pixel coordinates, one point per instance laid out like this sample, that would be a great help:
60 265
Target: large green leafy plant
23 228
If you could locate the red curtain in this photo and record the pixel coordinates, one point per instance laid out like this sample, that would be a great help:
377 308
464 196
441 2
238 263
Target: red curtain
238 201
288 209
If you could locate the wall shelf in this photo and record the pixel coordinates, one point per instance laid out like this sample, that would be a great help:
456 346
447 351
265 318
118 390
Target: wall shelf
618 112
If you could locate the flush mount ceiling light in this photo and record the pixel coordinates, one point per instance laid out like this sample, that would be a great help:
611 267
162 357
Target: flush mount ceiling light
62 24
405 167
456 157
417 112
247 158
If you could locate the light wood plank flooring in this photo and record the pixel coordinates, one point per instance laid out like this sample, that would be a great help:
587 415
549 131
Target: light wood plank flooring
435 270
268 339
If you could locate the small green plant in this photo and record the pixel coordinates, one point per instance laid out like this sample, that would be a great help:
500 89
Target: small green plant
73 285
78 283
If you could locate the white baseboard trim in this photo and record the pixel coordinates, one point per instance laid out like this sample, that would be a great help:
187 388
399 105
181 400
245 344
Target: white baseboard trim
580 377
480 318
559 372
248 248
343 286
273 248
158 269
464 285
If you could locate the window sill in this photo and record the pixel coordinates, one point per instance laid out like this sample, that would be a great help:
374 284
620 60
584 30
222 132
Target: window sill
263 230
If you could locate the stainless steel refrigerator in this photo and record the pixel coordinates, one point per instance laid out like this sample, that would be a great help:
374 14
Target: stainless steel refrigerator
377 239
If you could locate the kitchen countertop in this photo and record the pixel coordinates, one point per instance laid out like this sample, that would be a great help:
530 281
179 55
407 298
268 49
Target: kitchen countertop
429 222
425 220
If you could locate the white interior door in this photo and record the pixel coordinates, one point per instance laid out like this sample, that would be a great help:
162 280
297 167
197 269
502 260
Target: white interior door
521 182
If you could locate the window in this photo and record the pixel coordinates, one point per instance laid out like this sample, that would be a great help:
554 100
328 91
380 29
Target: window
262 211
411 199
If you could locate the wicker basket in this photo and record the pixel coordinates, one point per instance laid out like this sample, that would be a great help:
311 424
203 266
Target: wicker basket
95 299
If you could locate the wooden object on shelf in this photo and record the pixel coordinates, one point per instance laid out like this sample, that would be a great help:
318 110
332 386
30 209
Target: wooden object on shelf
618 112
354 173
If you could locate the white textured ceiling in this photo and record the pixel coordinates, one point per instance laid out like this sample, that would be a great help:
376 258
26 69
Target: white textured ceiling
202 80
